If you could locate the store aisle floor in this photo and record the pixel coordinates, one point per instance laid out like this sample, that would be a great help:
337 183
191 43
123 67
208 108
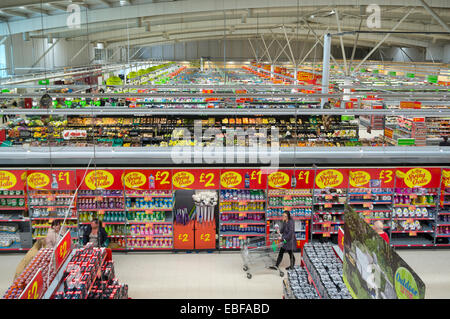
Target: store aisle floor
194 276
203 275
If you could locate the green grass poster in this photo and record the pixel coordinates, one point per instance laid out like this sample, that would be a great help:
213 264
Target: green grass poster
372 269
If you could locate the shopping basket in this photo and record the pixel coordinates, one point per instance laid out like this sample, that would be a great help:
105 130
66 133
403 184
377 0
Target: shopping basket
257 255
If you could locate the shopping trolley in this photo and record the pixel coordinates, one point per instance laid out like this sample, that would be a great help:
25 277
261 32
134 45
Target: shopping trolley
257 255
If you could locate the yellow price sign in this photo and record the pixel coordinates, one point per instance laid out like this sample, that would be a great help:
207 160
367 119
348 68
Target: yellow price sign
205 237
328 205
412 233
326 234
64 176
386 175
183 237
256 175
163 177
207 179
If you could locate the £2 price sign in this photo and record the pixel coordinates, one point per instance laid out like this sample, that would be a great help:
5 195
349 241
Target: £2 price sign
196 179
34 288
63 250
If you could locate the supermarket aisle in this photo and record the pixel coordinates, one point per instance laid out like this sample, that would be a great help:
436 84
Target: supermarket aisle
162 275
194 276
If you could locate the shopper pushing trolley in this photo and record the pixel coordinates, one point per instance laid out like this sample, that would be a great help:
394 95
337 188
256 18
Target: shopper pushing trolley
272 255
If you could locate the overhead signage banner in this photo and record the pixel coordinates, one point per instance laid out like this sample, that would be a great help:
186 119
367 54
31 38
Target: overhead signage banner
243 179
372 269
331 178
147 179
371 178
51 179
412 177
13 180
196 179
280 179
100 179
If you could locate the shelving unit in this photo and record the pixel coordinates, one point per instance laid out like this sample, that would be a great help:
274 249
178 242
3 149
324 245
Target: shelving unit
415 207
149 223
15 232
51 196
328 210
242 216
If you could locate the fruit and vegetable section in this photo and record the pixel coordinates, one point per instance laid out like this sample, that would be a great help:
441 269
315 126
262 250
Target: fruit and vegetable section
212 208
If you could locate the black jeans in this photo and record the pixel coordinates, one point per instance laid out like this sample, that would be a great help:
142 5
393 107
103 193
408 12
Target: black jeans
281 254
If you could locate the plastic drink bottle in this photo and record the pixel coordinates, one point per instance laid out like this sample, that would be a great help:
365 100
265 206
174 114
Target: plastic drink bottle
151 181
293 181
54 182
247 180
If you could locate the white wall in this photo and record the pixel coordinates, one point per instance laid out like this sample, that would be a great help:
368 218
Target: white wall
397 55
23 54
239 50
446 55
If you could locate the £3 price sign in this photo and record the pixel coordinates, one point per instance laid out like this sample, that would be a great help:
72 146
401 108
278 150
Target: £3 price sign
63 249
34 288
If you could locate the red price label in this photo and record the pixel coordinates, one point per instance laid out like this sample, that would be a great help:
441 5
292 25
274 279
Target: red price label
34 288
63 249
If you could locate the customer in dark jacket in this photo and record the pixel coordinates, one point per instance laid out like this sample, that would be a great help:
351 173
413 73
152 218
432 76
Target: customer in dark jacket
287 232
95 234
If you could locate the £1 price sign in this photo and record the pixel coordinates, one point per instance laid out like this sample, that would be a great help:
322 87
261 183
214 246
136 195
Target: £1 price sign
63 249
34 288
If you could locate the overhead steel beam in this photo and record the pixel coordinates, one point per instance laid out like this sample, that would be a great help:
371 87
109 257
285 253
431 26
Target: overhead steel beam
435 16
45 53
384 38
15 13
37 10
109 4
289 46
341 40
79 51
267 50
